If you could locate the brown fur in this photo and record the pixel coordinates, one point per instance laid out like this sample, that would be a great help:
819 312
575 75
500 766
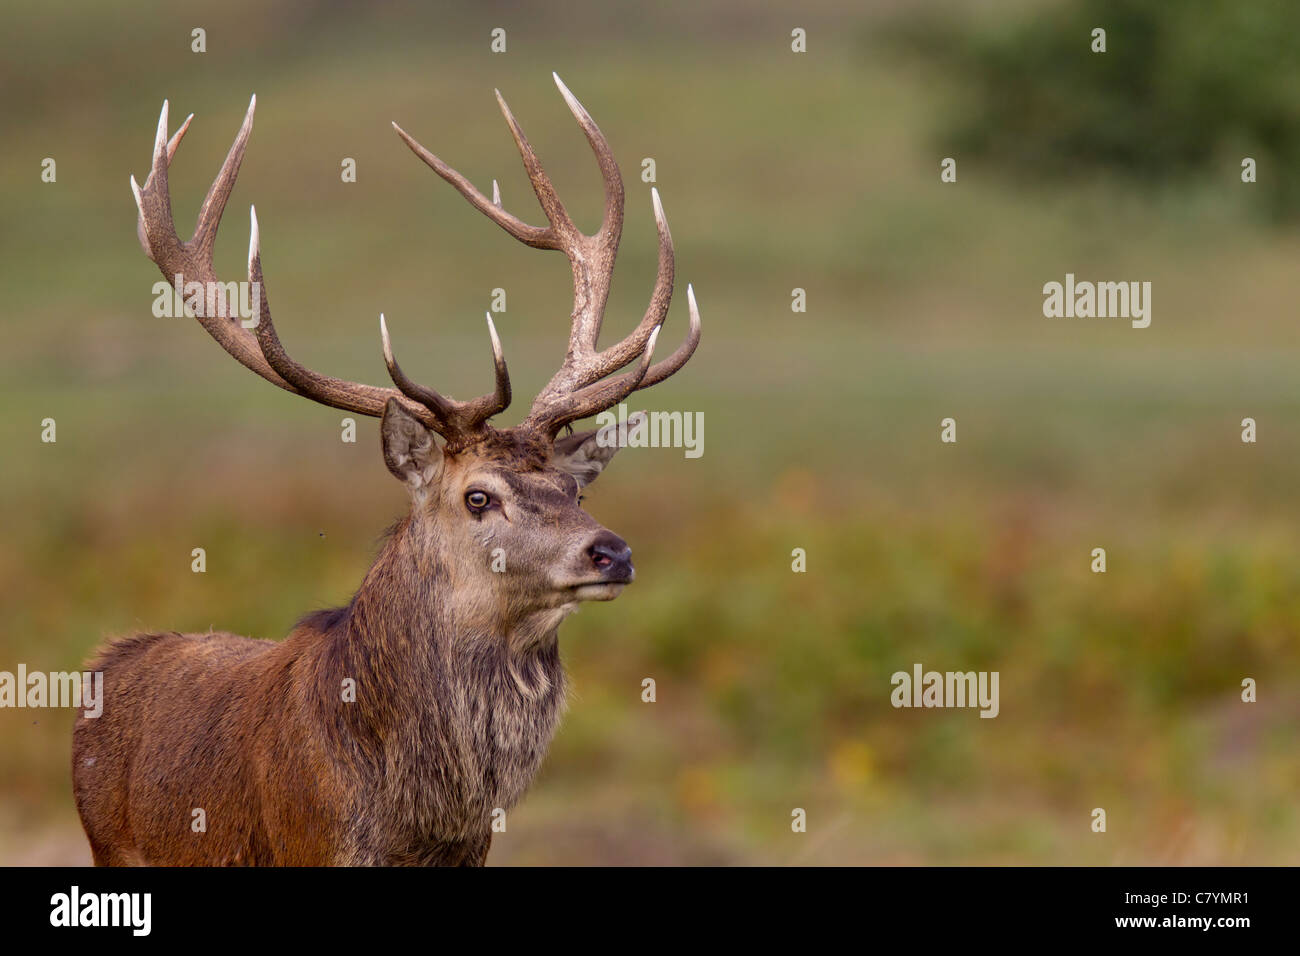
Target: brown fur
459 689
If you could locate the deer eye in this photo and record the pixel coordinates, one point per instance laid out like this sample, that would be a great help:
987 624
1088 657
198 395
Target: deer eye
477 501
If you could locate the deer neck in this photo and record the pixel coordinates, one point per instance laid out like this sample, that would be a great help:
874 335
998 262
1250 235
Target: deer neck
457 701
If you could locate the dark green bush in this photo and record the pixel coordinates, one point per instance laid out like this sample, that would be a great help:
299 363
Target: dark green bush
1183 90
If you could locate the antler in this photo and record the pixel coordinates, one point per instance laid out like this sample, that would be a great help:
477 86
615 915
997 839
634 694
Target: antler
259 349
577 389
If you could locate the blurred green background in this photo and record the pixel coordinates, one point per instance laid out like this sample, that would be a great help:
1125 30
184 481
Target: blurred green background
777 170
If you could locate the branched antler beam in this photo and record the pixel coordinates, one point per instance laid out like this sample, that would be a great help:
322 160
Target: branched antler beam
584 384
577 390
259 348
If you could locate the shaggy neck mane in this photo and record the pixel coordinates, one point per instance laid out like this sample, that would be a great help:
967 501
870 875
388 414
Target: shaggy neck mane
456 704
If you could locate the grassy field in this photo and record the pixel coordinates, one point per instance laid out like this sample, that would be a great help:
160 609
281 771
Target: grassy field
777 171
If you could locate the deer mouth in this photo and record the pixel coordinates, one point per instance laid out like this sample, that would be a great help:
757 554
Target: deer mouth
598 590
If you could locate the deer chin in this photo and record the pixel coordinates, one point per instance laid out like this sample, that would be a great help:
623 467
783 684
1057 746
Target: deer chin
597 590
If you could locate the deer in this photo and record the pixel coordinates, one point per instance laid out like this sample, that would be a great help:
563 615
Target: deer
220 750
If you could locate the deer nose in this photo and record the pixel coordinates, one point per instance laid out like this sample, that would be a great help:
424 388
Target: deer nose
612 557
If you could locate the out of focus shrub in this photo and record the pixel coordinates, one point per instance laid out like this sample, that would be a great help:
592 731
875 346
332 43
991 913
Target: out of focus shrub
1183 90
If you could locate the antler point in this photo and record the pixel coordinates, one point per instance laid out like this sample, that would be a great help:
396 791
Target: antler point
254 240
575 107
160 139
496 340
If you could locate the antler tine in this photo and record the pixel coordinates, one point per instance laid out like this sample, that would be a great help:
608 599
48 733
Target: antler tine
550 416
661 370
455 417
478 410
611 227
620 354
422 394
214 203
175 141
591 257
561 225
597 397
172 146
500 398
535 236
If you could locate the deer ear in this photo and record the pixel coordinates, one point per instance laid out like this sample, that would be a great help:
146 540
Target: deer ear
584 455
410 452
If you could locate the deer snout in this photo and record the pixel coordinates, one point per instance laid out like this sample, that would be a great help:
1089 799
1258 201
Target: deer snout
611 556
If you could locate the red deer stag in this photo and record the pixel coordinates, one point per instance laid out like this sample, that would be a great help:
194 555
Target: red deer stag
454 664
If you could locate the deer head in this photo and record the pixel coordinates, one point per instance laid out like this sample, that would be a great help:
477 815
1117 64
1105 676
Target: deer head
473 486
